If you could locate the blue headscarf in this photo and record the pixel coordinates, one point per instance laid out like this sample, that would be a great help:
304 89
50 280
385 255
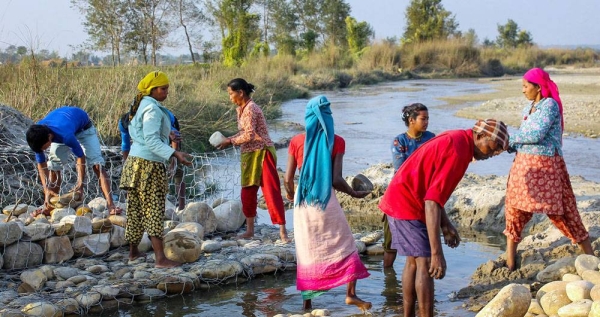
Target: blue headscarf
314 185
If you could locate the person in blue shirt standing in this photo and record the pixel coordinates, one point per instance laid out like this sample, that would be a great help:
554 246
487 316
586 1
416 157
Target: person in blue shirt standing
63 129
416 119
175 138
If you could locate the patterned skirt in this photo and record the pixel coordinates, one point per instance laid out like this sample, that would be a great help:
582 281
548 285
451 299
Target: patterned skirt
139 173
539 184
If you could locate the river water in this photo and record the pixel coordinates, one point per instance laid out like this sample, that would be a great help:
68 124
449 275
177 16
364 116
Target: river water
368 118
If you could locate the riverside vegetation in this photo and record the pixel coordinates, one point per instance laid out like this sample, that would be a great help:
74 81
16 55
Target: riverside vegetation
198 95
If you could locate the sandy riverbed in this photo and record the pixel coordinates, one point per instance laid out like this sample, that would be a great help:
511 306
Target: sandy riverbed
579 91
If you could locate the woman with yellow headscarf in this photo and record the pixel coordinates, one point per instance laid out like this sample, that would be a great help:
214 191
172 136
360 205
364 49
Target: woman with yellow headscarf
144 174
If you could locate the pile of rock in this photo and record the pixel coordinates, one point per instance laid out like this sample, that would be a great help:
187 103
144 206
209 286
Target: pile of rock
42 278
576 293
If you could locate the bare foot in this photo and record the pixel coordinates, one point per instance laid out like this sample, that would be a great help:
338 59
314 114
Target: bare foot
166 264
307 304
361 304
247 235
285 239
136 255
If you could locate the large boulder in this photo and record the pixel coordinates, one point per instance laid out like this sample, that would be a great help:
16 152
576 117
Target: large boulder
229 216
201 213
512 300
57 249
182 246
22 255
9 232
92 245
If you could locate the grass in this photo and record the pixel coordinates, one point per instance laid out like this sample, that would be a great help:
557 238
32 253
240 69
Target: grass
198 94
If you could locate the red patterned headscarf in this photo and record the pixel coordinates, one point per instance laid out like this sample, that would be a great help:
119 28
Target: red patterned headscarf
549 89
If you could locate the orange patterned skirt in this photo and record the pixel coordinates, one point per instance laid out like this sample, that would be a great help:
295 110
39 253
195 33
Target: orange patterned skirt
541 184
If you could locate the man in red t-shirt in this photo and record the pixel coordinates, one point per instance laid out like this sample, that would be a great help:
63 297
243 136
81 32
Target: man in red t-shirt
414 203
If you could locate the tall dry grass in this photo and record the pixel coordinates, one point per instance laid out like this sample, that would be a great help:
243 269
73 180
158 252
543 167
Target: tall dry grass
198 94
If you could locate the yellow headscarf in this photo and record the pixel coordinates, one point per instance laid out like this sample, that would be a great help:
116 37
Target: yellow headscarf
152 80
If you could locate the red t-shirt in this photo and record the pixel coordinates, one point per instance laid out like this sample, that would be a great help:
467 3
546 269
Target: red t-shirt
296 147
432 172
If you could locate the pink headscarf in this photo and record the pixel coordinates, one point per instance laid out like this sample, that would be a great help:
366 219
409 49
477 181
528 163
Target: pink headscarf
549 89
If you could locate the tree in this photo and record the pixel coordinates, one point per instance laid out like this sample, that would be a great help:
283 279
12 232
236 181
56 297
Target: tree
149 26
105 24
284 26
359 34
334 13
428 20
239 28
510 36
191 18
471 37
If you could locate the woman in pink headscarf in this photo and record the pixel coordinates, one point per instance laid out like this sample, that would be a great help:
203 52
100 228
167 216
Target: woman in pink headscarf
538 181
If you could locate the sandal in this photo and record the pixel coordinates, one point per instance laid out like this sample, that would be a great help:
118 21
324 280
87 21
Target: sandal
115 211
40 211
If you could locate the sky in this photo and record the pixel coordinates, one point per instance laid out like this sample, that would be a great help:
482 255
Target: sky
55 26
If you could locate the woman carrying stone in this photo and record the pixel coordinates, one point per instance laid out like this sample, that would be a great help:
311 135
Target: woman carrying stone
258 159
538 181
326 253
144 174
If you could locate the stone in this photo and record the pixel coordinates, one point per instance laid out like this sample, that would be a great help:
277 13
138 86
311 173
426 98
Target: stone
592 276
372 238
101 225
262 263
57 214
89 299
16 210
192 227
595 309
43 309
214 270
579 290
21 255
535 308
182 246
83 209
176 285
97 204
117 237
201 213
552 301
118 220
36 278
595 293
37 231
211 246
229 216
571 277
320 312
80 226
586 262
376 249
10 232
512 300
579 308
57 249
68 306
550 287
92 245
65 273
556 270
361 246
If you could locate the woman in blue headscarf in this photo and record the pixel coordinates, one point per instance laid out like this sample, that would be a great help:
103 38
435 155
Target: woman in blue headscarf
326 253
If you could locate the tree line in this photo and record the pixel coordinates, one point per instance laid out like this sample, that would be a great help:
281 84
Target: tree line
231 31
